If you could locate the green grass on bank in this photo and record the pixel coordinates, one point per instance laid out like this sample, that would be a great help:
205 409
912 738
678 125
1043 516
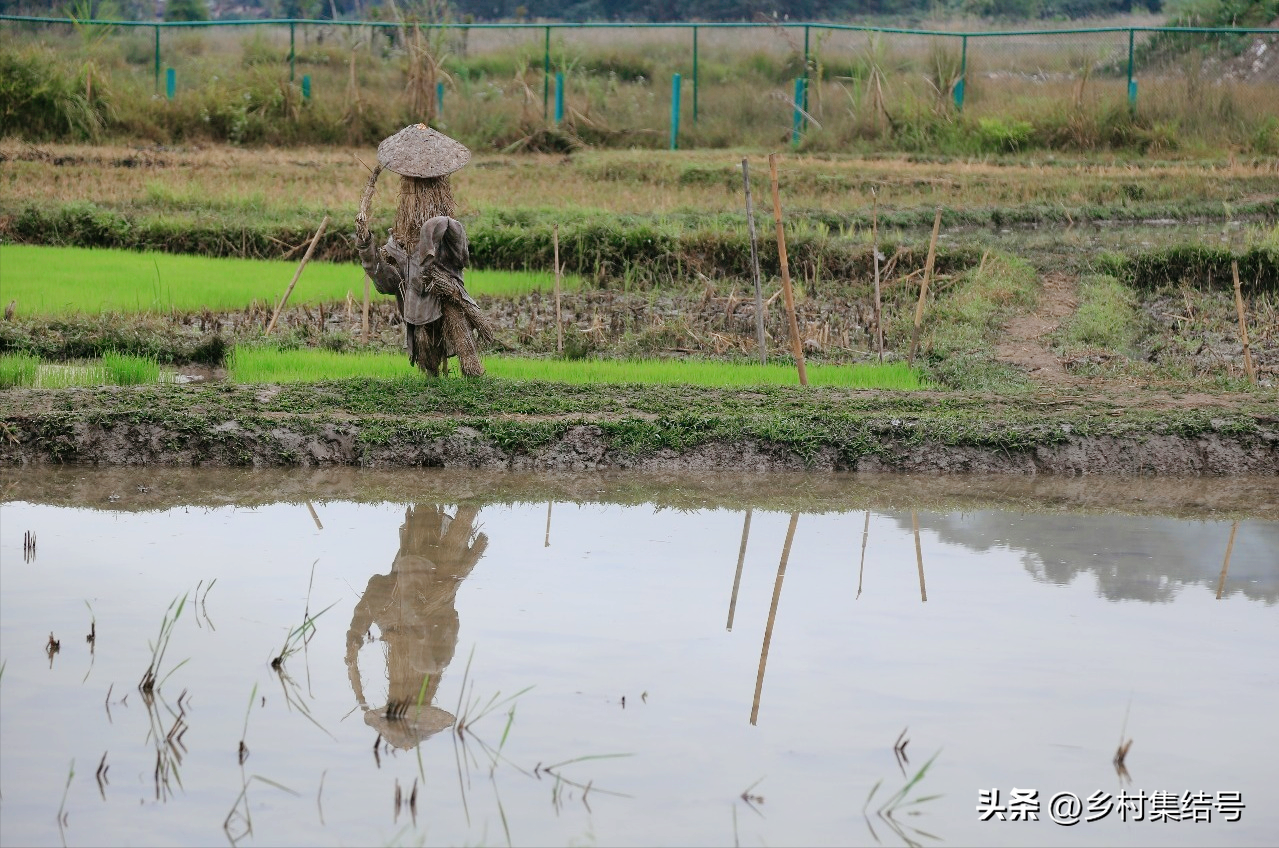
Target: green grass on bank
269 365
66 280
22 370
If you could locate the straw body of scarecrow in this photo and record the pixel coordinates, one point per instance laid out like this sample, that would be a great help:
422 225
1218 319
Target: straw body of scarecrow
415 610
425 253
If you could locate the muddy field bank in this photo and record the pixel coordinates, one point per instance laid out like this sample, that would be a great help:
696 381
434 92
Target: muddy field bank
828 431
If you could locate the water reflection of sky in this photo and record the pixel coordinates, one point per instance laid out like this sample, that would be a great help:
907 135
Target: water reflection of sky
1018 682
1145 558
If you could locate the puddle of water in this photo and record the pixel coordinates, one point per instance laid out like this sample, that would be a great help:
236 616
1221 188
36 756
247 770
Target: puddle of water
724 634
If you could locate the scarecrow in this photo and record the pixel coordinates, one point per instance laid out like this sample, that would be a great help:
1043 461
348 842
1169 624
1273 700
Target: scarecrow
415 610
425 252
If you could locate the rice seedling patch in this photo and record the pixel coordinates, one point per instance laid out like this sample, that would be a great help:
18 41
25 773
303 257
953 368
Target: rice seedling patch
68 280
270 365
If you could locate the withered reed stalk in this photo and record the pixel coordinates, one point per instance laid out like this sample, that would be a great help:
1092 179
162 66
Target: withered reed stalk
297 274
923 287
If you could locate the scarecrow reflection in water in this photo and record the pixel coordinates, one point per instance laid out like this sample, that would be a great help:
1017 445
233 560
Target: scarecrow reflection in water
414 608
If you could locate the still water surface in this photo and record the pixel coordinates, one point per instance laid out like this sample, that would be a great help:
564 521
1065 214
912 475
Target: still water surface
718 666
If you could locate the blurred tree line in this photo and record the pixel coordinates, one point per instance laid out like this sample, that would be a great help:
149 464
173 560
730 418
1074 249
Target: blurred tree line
1199 12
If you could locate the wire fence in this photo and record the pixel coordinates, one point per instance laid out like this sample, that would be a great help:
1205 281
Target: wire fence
792 78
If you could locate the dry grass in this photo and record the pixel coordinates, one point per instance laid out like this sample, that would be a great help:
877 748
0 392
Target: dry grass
269 182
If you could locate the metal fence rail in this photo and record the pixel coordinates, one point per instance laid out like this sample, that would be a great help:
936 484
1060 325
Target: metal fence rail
1080 63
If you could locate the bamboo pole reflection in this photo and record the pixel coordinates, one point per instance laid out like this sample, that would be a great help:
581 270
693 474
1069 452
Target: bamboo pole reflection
919 556
415 610
741 558
862 568
772 615
1225 566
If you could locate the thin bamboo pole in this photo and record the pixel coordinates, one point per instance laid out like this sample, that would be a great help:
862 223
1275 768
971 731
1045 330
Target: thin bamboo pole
874 247
297 274
314 516
923 287
559 325
772 615
546 543
1243 324
741 558
797 347
759 292
365 334
1225 565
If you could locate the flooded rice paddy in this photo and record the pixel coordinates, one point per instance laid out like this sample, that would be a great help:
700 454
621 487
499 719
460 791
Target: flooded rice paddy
340 657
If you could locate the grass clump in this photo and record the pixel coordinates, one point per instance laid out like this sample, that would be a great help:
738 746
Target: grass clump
1106 316
270 365
23 369
124 369
965 322
64 376
18 370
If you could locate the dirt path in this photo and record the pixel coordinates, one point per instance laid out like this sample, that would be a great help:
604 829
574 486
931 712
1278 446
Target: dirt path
1025 343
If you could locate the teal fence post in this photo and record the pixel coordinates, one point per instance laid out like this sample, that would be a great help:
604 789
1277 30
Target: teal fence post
797 121
559 97
804 104
170 82
157 60
439 98
546 73
675 81
306 86
694 74
961 83
292 53
1132 83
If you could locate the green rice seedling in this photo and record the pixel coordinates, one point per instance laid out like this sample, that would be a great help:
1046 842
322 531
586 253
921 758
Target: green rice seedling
269 365
150 679
58 376
18 369
896 376
65 280
298 636
125 370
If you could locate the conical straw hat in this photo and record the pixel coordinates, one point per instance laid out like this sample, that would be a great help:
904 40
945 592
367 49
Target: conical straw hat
419 151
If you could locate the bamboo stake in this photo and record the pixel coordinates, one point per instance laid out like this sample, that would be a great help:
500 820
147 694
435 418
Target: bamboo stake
314 516
759 293
923 287
919 556
546 543
772 615
1225 566
1243 324
559 326
862 569
796 347
874 247
297 274
366 309
741 558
